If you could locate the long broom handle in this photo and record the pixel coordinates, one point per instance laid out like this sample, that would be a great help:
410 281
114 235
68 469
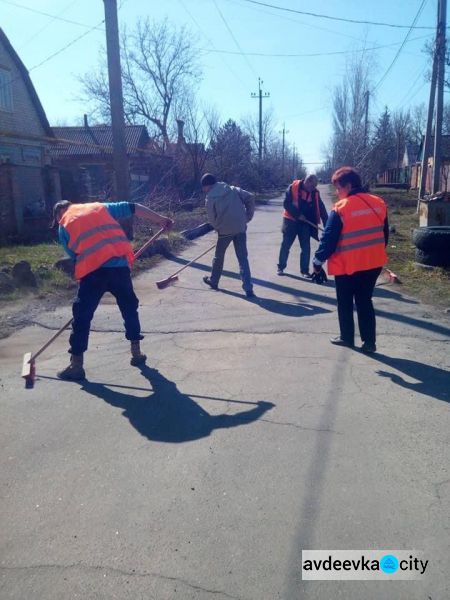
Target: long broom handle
149 243
45 346
312 224
192 261
64 327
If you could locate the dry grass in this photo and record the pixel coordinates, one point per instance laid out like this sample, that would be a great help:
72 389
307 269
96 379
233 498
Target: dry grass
54 282
432 286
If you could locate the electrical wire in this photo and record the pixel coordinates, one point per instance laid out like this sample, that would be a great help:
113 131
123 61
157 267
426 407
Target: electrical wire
66 46
45 14
39 31
43 62
313 54
234 39
407 96
332 18
211 43
394 60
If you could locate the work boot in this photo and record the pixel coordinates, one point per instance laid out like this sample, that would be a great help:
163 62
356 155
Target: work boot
75 371
208 281
368 348
137 358
338 341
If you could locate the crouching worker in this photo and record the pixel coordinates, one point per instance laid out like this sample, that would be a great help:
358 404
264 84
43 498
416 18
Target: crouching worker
93 238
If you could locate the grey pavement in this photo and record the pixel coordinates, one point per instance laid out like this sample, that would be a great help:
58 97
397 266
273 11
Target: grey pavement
247 438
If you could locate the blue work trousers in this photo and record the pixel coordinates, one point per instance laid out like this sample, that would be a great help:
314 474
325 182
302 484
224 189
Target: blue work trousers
117 281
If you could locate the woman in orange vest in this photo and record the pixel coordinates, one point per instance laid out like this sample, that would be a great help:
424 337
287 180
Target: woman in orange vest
93 238
354 243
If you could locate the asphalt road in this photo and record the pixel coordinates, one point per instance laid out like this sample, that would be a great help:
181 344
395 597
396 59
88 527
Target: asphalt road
247 438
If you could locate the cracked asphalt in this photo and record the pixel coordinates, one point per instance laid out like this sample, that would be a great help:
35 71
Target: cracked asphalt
246 438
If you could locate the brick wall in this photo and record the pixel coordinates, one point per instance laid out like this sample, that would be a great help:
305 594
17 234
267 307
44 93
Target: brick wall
7 214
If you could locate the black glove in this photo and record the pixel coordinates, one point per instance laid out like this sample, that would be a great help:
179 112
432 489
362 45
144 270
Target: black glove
319 276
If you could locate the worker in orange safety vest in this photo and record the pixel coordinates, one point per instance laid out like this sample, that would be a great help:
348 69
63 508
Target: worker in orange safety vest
354 243
93 238
302 201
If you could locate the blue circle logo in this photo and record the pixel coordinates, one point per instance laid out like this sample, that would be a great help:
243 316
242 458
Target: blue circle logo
389 563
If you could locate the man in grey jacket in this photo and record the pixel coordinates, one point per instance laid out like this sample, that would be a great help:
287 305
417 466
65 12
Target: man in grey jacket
229 209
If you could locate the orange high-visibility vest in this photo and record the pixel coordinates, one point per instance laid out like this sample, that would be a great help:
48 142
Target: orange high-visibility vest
361 245
298 195
94 236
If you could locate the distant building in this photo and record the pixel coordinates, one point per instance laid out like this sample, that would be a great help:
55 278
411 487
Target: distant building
84 158
29 186
416 169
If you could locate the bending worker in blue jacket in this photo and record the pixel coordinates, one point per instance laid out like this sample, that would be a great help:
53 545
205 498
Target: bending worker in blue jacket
93 238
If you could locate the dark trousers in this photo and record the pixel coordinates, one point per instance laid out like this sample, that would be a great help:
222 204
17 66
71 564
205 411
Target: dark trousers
240 247
117 281
291 230
358 287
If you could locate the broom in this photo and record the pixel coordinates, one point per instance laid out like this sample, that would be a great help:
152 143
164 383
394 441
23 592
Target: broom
29 359
163 283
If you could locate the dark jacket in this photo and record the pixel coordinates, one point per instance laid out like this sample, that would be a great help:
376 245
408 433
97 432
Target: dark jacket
306 208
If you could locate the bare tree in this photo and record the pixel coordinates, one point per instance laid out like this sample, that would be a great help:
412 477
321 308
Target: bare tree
349 142
418 122
159 69
401 125
201 126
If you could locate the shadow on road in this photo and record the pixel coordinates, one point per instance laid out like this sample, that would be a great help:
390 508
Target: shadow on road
430 381
324 299
167 415
287 309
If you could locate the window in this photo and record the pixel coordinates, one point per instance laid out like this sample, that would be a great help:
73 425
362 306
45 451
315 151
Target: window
5 90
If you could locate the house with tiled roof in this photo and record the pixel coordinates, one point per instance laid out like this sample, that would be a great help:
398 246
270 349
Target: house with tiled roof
29 185
84 158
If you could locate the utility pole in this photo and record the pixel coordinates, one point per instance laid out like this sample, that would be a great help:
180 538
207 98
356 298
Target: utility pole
366 117
283 148
260 95
440 51
426 149
120 159
294 162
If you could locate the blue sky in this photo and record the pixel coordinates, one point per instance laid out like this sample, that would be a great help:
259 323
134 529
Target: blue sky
299 87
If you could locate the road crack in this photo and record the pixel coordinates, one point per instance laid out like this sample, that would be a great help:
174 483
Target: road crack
123 572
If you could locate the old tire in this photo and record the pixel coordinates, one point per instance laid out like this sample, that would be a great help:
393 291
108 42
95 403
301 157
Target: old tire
432 239
432 258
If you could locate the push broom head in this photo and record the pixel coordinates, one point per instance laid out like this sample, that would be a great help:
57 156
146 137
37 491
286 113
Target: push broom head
28 370
161 285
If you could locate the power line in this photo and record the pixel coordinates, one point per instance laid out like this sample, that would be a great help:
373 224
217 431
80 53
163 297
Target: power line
307 112
332 18
47 25
407 96
211 43
291 20
11 81
66 46
421 7
312 54
234 38
45 14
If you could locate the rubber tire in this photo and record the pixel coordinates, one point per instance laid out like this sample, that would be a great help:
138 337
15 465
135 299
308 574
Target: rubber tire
432 239
432 258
